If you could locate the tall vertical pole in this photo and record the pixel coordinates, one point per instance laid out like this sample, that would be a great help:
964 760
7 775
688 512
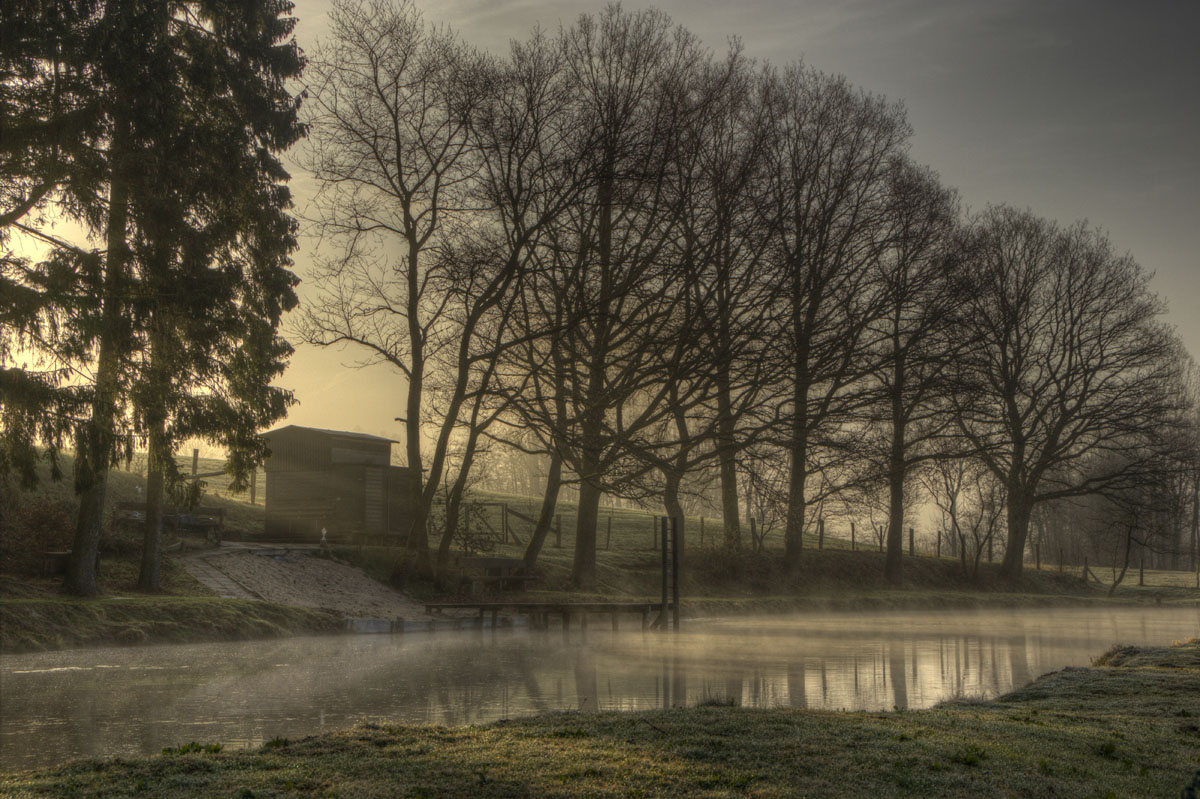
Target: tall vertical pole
663 612
195 461
853 543
912 549
675 569
821 533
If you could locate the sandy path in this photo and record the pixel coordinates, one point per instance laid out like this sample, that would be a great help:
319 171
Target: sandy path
307 581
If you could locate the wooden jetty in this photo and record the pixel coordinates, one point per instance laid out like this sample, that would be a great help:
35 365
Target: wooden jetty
539 613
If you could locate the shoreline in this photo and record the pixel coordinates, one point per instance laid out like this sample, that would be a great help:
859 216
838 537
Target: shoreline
53 623
1129 725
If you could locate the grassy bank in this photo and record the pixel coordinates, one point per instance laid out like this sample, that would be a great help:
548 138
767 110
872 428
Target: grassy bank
32 624
1126 727
717 582
34 616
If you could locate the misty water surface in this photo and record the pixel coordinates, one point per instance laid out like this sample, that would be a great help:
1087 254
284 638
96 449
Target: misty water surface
126 701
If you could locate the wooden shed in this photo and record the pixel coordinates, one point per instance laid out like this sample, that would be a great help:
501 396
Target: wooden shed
340 481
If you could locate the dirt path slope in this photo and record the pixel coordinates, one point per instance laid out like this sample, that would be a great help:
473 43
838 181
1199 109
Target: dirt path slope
298 578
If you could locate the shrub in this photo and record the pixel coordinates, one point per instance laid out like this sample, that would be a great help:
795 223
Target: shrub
36 525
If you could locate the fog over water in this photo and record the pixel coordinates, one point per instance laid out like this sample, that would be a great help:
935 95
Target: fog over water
127 701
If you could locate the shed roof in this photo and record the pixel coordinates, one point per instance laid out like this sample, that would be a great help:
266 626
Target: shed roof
332 433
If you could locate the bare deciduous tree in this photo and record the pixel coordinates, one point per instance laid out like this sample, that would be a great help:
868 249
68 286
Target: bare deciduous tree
1067 362
833 149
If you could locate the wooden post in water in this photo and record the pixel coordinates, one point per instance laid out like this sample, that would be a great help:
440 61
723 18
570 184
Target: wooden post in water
821 533
675 570
662 616
853 543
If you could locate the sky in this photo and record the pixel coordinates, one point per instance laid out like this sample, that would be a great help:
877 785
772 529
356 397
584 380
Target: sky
1075 109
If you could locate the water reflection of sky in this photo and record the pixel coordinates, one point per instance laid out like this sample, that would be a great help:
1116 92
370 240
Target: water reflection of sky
125 701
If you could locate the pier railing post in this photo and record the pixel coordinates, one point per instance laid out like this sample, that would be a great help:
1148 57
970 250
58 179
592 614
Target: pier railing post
675 569
662 618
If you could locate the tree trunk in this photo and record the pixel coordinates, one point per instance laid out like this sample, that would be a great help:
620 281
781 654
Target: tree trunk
1020 507
1195 521
418 535
97 437
546 515
797 501
730 513
454 501
1124 563
673 507
156 455
583 573
893 568
148 577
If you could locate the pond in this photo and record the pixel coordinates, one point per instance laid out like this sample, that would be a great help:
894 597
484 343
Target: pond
128 701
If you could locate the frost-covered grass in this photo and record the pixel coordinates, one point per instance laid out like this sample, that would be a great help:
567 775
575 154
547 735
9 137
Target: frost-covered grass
1128 729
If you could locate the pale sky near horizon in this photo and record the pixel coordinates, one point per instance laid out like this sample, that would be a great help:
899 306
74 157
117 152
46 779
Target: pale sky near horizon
1076 109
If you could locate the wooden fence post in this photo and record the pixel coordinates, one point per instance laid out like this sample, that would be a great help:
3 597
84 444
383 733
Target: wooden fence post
195 461
821 533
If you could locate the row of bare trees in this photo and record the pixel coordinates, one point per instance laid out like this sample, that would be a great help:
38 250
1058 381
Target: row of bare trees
659 268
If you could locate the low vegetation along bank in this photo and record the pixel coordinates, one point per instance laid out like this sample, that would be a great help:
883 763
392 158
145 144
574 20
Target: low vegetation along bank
1128 727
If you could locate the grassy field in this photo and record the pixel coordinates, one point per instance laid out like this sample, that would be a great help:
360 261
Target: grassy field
1128 727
